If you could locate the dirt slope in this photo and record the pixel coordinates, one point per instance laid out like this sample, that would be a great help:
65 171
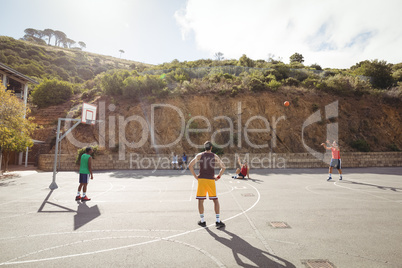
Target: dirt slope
230 120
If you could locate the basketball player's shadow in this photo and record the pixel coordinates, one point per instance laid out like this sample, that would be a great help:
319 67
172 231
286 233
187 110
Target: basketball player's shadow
394 189
85 214
257 256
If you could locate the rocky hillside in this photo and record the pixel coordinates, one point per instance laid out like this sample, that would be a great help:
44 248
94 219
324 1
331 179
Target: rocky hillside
365 123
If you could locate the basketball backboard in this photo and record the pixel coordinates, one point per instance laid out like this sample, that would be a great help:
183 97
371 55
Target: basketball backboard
88 114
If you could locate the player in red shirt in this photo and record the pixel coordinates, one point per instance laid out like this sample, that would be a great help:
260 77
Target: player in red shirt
336 159
243 171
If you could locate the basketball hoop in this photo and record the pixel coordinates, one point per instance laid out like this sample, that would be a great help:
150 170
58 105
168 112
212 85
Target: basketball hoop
88 114
88 117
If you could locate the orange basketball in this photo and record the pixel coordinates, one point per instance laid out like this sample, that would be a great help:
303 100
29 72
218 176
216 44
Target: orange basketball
286 103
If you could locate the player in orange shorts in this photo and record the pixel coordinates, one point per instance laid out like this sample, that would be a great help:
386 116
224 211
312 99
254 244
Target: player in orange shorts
206 181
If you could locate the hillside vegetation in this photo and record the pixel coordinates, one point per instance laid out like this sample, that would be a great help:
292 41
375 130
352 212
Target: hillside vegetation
369 96
43 61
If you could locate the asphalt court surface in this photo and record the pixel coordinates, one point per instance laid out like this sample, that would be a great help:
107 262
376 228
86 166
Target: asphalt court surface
149 219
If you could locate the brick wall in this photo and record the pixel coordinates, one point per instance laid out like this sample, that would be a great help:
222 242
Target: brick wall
290 160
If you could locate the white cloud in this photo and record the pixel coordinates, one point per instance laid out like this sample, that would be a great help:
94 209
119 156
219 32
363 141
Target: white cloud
334 34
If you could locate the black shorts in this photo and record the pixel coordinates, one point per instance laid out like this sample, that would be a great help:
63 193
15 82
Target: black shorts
241 175
84 178
335 163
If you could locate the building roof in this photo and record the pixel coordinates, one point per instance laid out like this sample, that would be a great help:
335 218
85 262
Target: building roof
16 75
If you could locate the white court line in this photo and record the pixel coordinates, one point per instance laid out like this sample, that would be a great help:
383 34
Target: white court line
348 253
10 262
18 215
91 231
108 190
364 192
355 199
220 264
257 232
21 198
370 184
308 188
92 196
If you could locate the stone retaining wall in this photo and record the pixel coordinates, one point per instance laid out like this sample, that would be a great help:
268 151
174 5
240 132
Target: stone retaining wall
290 160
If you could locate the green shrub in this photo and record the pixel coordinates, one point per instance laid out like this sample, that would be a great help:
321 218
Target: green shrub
234 92
292 82
62 61
339 84
328 73
135 87
394 95
278 76
311 82
85 73
214 77
346 85
3 57
316 67
283 71
397 75
51 92
215 148
229 76
89 94
76 79
132 87
61 53
99 70
269 78
60 72
256 85
112 83
180 75
31 69
246 62
393 147
360 145
80 152
379 70
300 75
12 60
274 85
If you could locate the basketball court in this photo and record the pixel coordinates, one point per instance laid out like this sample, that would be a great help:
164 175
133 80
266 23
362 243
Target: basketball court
140 218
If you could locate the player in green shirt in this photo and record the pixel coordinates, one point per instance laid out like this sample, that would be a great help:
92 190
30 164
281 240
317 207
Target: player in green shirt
85 171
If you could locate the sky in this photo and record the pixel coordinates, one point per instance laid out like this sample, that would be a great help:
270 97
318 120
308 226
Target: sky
331 33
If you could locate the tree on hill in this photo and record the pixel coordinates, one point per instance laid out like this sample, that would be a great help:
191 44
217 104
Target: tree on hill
30 32
49 33
69 42
379 71
82 44
15 129
246 61
219 56
297 57
121 51
33 35
60 38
